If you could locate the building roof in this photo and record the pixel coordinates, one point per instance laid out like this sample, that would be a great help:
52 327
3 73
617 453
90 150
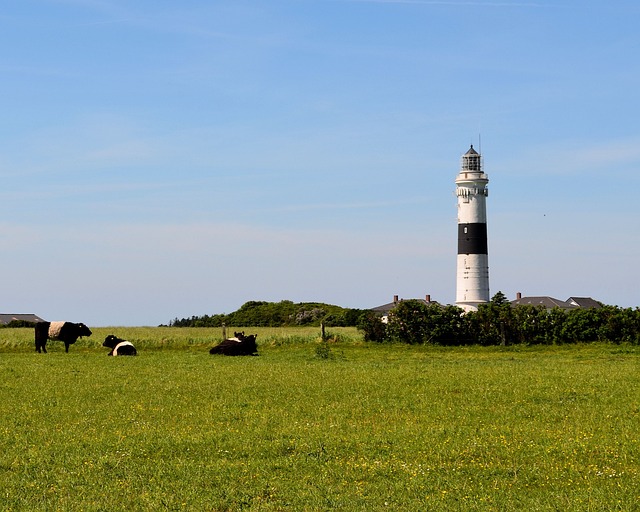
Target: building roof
6 318
585 302
385 308
547 302
550 302
471 151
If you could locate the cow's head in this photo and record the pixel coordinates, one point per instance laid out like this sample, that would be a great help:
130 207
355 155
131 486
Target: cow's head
250 342
83 330
111 341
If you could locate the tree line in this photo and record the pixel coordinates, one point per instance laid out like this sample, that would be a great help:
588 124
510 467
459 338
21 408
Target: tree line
500 323
413 321
277 314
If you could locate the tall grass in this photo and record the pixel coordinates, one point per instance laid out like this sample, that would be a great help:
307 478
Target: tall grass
382 427
160 338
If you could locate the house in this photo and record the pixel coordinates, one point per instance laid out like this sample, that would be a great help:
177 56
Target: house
542 300
384 310
7 318
551 303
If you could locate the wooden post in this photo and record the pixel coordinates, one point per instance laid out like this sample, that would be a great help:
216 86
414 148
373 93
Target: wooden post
224 331
322 331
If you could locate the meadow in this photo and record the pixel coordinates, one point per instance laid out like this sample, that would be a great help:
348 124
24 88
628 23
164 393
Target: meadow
311 425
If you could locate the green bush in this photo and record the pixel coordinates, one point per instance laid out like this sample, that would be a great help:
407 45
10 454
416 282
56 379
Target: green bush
372 327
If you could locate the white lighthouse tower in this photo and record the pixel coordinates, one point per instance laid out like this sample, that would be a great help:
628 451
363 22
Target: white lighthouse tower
473 260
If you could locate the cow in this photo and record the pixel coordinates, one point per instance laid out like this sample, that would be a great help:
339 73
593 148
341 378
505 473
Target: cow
68 332
119 347
239 345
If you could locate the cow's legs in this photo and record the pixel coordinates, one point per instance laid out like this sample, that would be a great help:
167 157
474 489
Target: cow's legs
41 331
66 347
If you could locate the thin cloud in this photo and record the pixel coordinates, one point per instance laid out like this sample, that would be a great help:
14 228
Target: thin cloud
107 22
87 4
567 158
448 2
346 206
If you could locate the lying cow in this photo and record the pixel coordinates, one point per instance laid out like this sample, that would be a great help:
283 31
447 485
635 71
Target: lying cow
239 345
60 331
119 347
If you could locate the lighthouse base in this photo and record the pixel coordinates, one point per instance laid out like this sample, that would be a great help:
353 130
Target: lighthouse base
472 281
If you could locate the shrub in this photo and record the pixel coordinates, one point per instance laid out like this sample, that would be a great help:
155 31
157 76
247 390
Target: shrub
372 327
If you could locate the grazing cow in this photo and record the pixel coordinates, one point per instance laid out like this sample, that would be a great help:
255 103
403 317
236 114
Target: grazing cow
119 347
239 345
61 331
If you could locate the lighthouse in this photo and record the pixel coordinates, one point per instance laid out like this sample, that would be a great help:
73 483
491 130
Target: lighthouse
472 283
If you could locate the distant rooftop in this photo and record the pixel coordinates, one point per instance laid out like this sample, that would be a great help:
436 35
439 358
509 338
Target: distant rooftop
7 318
550 302
541 300
385 308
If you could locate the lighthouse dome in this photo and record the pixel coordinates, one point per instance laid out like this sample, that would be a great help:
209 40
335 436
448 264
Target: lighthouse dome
471 161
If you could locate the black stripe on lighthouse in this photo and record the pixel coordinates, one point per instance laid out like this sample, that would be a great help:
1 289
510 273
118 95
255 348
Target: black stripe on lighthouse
472 238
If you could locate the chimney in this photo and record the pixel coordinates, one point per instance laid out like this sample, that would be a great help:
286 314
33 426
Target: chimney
427 298
395 299
518 296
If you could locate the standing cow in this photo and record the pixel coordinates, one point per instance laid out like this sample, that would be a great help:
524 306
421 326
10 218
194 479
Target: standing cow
239 345
60 331
119 347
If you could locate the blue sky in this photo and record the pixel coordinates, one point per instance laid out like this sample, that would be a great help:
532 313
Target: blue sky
163 159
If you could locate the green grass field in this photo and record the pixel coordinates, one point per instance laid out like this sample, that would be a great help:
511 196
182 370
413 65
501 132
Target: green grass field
310 426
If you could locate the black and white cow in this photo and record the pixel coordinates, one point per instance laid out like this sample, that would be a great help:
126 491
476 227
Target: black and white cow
60 331
119 347
239 345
